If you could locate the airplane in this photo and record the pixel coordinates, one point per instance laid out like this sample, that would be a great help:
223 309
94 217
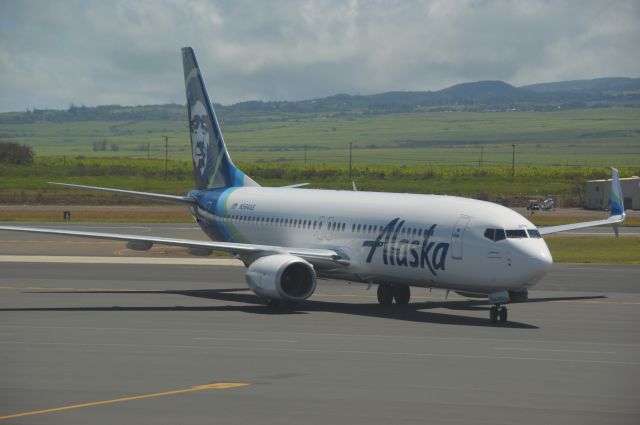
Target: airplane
288 237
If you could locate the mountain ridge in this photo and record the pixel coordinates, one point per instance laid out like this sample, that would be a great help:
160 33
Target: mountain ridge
478 96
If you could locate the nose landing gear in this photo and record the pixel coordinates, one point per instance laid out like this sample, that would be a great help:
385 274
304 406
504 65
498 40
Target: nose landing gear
497 310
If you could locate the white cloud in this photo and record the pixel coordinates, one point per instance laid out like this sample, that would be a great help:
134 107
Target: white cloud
93 52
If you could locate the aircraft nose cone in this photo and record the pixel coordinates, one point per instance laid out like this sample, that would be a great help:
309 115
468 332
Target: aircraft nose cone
540 261
536 262
543 260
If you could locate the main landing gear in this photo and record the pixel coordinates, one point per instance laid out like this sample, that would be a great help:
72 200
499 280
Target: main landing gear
387 293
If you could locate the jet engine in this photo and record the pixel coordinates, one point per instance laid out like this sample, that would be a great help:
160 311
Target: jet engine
281 277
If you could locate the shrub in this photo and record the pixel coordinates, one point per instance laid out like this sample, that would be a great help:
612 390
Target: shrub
16 154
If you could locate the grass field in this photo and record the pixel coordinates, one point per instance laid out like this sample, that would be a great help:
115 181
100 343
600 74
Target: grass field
28 184
582 137
595 250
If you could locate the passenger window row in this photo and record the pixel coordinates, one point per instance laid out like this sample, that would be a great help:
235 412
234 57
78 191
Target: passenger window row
284 222
317 225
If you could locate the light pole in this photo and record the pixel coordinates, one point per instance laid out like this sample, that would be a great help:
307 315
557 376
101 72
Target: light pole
350 149
166 157
513 160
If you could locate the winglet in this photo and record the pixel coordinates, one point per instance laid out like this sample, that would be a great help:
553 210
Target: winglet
617 206
616 214
617 203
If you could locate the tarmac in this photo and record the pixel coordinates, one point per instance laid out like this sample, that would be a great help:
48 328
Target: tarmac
182 340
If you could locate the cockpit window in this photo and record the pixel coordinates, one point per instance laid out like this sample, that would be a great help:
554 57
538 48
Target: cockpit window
489 233
516 234
494 234
533 233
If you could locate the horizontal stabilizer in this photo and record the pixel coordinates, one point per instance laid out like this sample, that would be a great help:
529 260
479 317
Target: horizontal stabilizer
148 195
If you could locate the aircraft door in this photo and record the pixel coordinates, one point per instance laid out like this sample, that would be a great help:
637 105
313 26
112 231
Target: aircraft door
457 236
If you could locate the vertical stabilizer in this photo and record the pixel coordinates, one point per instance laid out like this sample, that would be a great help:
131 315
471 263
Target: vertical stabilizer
212 166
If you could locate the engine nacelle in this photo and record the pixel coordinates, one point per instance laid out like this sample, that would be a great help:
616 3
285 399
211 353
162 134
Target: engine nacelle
281 277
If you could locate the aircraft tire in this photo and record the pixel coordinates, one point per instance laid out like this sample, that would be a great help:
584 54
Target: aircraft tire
493 314
503 314
402 294
385 294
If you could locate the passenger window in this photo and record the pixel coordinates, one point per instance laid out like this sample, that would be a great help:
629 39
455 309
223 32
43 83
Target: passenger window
534 233
359 228
516 234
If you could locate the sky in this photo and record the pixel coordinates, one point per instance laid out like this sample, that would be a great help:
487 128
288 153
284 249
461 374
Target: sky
91 52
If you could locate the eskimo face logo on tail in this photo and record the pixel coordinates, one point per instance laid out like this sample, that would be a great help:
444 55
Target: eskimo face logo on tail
200 139
417 253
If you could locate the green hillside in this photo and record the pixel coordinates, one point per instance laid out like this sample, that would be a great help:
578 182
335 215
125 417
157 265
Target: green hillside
581 137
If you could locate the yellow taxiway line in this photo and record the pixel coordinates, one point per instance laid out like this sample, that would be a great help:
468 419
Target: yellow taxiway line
216 386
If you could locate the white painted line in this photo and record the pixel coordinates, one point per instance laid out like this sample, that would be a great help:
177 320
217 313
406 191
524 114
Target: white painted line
119 260
554 350
244 339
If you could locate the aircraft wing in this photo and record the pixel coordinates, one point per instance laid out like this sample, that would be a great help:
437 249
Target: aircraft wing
293 186
614 219
149 195
314 256
616 212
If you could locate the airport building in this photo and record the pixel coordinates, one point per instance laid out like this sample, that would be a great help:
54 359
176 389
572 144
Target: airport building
598 193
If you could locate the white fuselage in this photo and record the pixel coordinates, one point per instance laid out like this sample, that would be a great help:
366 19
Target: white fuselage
420 240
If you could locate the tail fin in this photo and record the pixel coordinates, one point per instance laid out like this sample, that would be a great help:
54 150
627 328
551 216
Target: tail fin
212 166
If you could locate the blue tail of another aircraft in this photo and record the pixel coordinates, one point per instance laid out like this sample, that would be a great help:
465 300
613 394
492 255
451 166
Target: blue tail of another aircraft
212 166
